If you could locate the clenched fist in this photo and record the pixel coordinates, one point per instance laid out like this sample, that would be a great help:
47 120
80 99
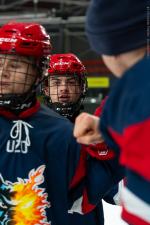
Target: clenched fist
86 129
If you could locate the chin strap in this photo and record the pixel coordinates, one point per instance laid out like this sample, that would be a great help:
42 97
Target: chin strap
68 110
18 104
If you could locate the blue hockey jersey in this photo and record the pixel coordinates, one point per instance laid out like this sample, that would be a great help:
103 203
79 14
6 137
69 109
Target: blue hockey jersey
38 159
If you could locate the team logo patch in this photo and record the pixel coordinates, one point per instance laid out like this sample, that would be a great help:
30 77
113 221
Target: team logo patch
24 202
19 141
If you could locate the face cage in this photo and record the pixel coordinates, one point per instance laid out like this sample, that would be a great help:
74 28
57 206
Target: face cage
17 100
67 109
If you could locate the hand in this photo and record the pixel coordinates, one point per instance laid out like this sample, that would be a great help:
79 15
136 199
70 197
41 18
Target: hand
86 129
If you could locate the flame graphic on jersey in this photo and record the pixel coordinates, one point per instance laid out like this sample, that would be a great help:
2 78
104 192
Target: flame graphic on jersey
28 200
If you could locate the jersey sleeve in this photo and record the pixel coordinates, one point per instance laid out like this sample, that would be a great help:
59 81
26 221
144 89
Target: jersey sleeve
96 171
100 151
99 179
125 124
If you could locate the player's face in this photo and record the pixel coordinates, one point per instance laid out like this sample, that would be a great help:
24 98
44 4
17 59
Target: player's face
17 74
64 89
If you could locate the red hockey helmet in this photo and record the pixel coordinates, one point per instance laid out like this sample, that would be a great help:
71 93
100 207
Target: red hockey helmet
28 39
67 65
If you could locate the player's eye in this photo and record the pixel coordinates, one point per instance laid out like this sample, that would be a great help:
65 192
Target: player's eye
13 65
71 82
54 82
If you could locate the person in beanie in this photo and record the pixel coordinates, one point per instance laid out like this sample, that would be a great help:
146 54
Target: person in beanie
38 151
117 31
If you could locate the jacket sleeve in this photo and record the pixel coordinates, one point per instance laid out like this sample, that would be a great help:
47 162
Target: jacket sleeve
125 124
100 151
100 172
99 179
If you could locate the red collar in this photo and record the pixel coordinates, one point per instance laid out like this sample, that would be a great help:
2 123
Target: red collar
27 113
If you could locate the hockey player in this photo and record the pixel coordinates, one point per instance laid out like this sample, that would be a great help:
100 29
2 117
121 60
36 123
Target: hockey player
66 86
37 161
64 92
118 33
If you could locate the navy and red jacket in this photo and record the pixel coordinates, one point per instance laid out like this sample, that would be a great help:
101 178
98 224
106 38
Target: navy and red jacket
94 170
125 124
100 151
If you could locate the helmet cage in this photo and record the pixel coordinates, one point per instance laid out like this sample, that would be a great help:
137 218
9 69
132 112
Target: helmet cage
29 40
13 100
67 109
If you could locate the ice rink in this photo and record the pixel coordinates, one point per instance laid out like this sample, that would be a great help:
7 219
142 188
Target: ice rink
112 215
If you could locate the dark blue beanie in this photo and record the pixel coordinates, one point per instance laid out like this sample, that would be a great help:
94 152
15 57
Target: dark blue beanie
116 26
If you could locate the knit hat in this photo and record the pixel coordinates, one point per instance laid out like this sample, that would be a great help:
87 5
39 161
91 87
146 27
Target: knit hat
116 26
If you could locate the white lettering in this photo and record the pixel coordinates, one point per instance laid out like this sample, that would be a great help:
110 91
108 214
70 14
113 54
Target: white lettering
8 40
19 138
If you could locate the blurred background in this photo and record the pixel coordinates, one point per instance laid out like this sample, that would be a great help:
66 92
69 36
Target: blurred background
65 21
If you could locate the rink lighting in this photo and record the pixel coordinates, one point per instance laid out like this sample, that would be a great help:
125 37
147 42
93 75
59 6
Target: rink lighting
93 100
